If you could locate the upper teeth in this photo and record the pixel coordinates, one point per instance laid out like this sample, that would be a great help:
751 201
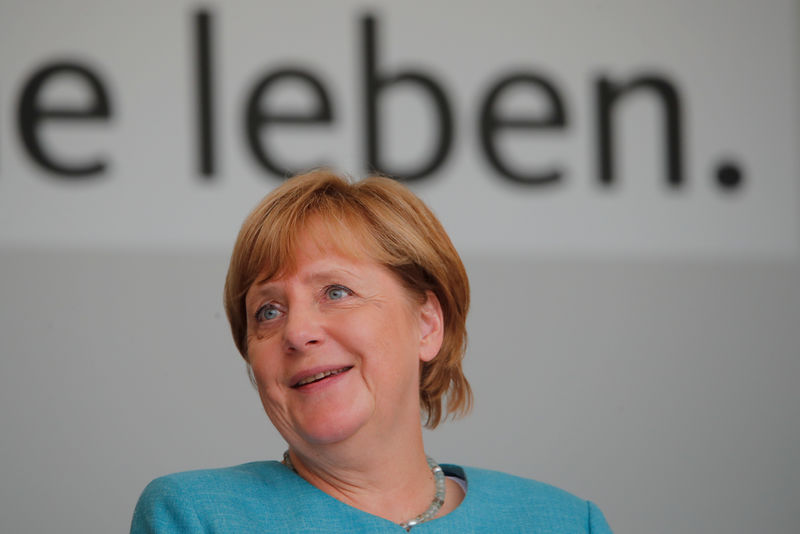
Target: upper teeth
320 376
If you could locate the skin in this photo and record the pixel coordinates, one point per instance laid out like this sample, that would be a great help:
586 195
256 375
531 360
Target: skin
355 435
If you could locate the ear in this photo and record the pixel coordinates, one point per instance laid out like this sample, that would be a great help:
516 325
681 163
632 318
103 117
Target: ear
431 327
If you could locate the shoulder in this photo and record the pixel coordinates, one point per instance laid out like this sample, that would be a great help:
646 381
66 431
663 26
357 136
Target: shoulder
184 502
238 475
259 477
527 504
488 481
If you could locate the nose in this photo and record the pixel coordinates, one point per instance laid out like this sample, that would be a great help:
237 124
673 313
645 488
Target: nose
302 329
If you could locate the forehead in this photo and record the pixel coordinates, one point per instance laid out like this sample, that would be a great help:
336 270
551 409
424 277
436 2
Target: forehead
322 237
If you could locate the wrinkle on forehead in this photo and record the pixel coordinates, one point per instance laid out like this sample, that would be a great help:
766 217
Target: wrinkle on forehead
349 239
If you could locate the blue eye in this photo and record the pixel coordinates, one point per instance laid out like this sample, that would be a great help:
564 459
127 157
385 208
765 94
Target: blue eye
337 292
267 313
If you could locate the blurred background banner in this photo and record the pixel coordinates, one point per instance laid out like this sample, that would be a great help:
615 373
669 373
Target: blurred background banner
596 127
620 176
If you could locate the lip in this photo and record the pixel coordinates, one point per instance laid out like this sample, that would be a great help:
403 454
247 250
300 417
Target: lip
306 373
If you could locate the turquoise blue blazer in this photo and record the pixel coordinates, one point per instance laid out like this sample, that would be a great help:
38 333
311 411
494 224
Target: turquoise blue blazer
264 497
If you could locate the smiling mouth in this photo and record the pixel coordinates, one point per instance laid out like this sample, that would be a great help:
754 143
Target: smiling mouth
321 376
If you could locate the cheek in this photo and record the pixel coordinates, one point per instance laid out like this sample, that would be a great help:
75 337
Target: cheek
393 349
264 368
261 383
270 394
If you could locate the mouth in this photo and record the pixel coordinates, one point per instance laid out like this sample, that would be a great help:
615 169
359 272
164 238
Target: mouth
317 377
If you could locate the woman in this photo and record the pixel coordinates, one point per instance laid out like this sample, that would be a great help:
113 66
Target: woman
348 302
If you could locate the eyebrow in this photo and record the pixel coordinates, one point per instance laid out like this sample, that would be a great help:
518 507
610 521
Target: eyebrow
262 286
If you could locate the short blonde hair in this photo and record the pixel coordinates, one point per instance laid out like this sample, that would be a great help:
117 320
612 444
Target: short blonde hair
397 229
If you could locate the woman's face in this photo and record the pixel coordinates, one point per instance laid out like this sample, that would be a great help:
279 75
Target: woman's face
335 347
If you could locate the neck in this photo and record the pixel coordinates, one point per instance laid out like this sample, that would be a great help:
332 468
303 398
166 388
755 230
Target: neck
384 475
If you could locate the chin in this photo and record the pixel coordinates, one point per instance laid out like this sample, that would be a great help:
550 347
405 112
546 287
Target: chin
333 426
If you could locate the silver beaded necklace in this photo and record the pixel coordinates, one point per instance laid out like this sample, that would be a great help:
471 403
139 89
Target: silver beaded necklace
438 497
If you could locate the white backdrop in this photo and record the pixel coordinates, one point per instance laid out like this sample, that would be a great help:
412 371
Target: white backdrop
634 343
